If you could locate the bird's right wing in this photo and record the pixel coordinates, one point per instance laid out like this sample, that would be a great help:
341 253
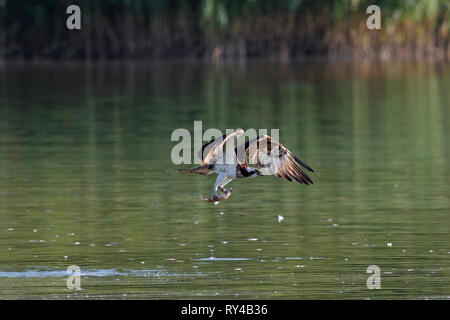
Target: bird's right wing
272 158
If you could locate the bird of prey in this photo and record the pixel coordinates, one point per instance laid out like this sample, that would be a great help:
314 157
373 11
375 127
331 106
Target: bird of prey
229 161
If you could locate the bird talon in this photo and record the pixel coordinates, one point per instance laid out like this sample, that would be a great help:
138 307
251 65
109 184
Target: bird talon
217 198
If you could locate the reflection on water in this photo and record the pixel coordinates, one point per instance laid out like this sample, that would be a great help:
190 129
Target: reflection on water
43 273
86 179
57 273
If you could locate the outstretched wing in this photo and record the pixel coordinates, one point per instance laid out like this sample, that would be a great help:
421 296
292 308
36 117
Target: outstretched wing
217 146
272 158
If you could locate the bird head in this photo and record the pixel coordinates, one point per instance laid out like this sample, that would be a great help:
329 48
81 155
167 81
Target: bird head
254 172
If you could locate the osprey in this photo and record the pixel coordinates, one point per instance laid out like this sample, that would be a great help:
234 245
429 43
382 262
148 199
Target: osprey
270 157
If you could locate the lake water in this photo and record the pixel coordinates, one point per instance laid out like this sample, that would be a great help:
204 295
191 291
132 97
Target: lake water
86 179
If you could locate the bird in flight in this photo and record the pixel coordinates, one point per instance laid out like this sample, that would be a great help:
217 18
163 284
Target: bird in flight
229 161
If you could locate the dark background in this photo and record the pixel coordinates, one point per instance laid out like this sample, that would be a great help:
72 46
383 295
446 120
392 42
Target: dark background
223 29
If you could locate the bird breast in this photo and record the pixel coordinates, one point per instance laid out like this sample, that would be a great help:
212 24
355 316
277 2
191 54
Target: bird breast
228 169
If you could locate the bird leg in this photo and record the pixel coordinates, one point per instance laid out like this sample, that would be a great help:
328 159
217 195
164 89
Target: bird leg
221 181
214 194
224 182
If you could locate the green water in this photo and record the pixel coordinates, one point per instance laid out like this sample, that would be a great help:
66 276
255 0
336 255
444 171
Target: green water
86 179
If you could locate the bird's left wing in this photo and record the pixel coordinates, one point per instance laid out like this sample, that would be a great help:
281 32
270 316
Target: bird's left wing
211 150
272 158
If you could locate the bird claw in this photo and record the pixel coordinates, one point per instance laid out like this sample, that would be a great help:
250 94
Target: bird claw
217 198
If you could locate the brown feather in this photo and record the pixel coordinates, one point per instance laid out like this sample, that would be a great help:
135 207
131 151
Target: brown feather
287 164
204 170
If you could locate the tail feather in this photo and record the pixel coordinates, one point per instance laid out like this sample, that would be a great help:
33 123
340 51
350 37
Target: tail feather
204 170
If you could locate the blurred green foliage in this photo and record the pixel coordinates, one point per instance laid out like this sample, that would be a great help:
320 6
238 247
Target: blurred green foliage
122 27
